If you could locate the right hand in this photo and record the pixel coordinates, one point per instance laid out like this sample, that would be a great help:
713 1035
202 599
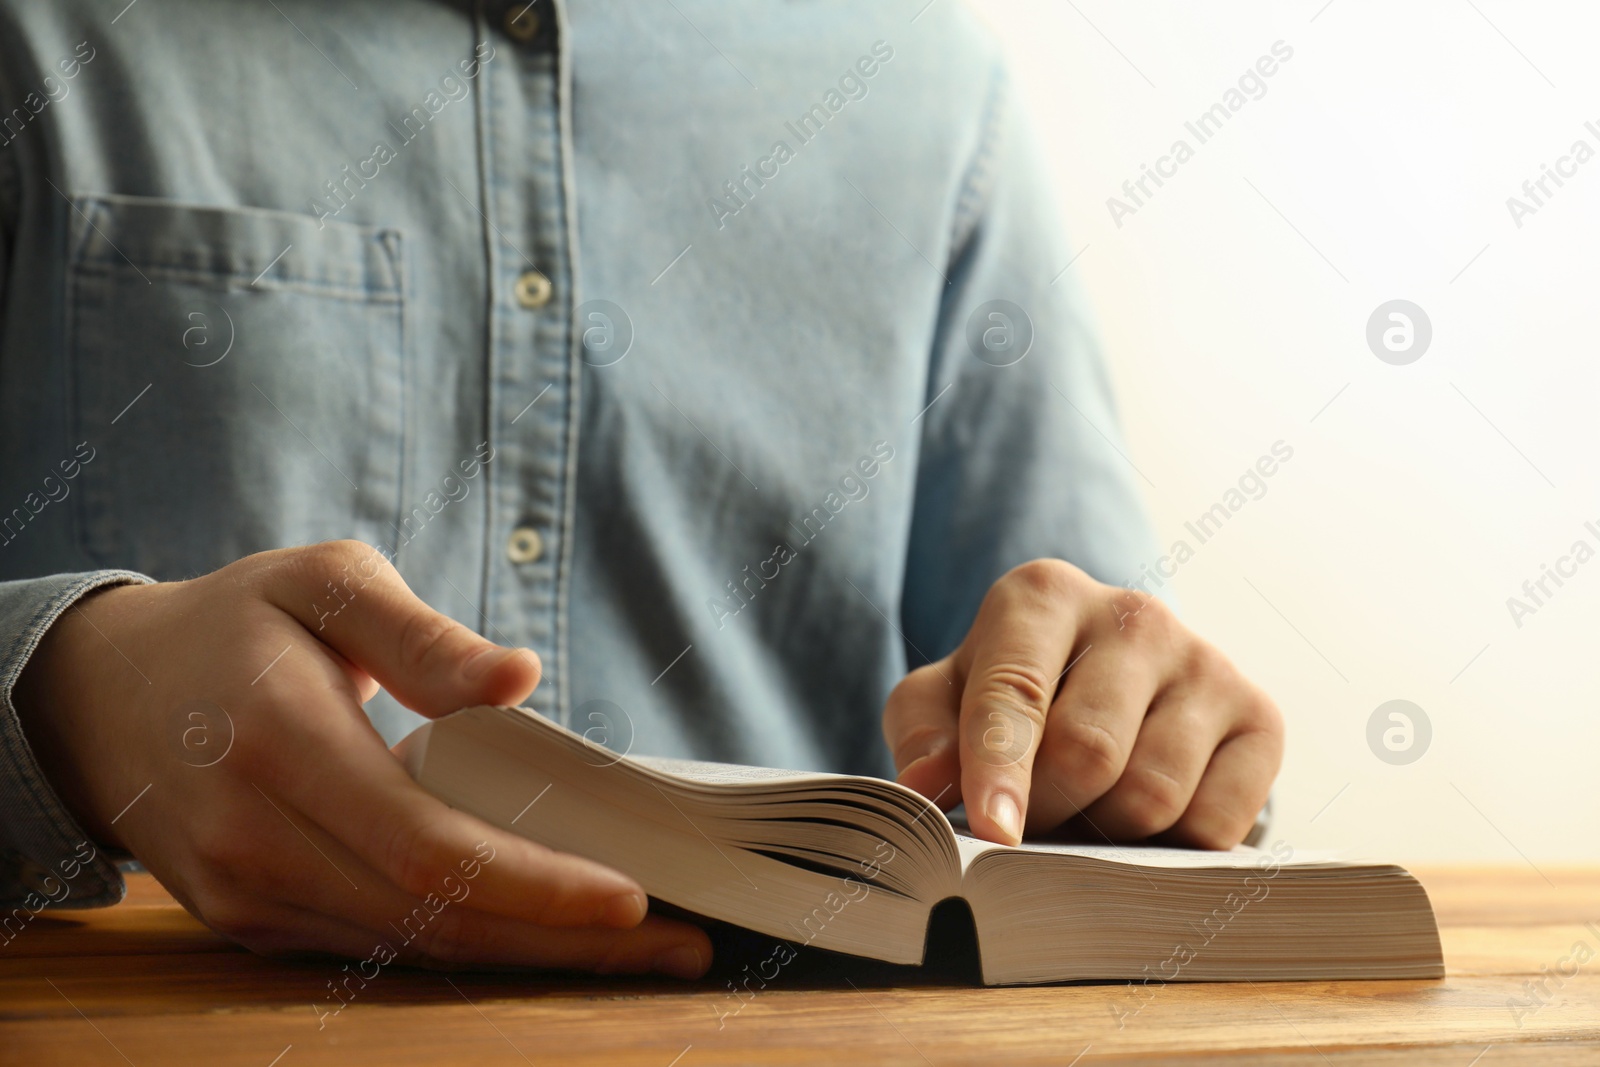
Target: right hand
309 836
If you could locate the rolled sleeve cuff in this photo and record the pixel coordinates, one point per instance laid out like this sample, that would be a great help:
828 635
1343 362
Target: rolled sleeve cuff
45 857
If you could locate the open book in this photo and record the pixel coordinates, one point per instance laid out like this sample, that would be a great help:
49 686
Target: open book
857 865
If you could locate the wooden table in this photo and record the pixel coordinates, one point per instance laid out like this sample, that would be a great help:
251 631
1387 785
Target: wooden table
144 984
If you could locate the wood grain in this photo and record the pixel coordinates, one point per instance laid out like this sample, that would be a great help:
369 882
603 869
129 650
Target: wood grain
143 983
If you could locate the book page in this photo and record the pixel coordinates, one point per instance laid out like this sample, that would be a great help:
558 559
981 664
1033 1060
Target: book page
1155 856
708 773
1149 855
872 806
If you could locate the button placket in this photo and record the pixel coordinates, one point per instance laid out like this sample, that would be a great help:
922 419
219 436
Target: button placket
530 355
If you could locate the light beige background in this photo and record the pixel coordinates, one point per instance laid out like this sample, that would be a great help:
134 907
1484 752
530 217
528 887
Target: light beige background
1422 496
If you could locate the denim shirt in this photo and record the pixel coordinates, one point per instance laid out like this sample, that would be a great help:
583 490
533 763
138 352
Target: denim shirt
723 353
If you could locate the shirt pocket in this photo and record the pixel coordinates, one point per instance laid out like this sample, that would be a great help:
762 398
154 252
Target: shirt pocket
239 374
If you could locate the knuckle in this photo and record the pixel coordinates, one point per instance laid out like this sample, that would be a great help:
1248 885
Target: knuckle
910 698
1087 754
411 859
555 902
544 909
905 689
445 937
335 557
1024 687
1213 828
1145 617
1046 579
1262 714
619 956
1153 800
423 634
1206 664
1214 674
1158 614
314 566
1008 718
918 739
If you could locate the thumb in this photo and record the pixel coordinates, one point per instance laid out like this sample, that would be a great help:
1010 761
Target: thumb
350 596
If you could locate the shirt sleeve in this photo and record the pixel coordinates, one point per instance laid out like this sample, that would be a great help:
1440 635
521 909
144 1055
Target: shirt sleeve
9 197
1021 453
46 860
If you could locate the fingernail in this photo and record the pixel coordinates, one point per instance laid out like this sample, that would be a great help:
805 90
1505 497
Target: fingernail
480 664
625 910
681 962
1003 812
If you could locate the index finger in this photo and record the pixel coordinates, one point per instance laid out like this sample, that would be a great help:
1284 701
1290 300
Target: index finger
1017 649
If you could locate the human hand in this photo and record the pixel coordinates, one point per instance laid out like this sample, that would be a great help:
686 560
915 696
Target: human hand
1072 699
307 835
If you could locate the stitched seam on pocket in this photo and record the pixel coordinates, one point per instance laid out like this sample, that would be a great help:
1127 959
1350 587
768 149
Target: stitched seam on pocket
73 415
83 226
394 246
239 283
205 244
77 420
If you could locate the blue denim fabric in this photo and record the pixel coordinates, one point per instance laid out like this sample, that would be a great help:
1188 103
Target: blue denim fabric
755 438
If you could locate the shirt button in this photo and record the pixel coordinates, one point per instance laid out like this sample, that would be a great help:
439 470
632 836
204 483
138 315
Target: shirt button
522 21
532 290
525 545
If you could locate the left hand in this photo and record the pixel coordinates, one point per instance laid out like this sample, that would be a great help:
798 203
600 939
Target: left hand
1072 699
